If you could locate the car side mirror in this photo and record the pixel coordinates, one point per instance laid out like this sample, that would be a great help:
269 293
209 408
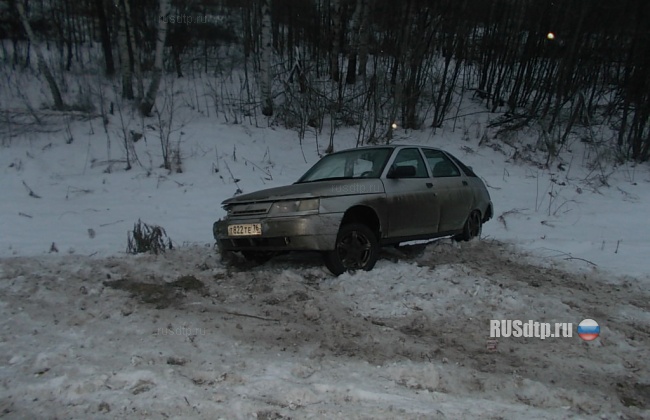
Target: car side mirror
405 171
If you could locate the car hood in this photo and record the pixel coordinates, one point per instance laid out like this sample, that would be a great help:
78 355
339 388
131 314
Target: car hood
315 189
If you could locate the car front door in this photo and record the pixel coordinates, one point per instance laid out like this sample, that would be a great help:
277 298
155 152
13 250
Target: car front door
411 202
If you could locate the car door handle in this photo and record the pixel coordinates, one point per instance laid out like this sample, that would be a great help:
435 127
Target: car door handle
429 184
465 183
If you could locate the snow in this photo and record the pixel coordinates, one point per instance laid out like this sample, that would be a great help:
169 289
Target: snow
89 331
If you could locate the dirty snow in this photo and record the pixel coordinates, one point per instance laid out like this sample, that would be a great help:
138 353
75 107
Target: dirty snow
288 340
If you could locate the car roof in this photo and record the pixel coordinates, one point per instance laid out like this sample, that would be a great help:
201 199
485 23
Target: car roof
388 146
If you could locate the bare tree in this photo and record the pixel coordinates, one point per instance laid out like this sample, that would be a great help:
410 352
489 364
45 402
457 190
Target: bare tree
335 6
265 59
593 69
123 47
355 25
150 98
106 37
132 26
364 37
42 64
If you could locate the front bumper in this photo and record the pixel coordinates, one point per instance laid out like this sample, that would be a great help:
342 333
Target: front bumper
315 232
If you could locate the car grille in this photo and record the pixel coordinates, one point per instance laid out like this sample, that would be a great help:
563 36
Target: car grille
253 209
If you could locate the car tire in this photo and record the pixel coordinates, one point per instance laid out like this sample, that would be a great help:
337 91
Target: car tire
356 248
472 228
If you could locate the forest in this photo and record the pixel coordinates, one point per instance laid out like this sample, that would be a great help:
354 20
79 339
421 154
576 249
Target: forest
554 68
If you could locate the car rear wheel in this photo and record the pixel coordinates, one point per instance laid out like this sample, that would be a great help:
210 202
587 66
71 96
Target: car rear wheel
472 228
356 248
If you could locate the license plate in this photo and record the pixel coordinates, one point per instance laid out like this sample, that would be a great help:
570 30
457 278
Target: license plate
246 229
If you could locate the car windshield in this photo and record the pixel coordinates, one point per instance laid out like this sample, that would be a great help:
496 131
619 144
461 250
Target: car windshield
350 164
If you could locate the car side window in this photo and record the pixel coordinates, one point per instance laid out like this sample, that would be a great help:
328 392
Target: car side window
441 166
411 157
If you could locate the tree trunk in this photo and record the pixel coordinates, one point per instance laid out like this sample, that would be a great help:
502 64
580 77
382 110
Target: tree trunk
398 68
133 45
336 39
106 38
150 97
265 61
355 25
123 47
42 64
364 38
248 33
176 53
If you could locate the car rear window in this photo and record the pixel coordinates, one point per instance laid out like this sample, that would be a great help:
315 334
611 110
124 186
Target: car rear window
466 169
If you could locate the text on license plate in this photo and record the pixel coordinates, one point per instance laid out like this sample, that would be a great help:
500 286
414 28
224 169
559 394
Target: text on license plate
246 229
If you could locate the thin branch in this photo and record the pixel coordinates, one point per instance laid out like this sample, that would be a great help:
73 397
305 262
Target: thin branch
111 223
582 259
31 192
250 316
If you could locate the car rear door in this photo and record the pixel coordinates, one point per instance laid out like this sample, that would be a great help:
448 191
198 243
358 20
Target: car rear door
411 203
453 191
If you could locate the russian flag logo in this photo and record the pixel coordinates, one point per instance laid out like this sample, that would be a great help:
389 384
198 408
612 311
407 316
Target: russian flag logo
588 330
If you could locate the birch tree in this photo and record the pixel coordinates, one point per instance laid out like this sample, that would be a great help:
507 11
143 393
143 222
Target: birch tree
150 97
265 59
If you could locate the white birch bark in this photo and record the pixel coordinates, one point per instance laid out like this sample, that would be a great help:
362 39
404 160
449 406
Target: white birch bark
152 91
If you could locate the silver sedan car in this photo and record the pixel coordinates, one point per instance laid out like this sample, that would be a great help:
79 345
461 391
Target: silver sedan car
352 202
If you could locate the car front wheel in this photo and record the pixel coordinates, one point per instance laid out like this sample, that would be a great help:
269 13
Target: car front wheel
357 248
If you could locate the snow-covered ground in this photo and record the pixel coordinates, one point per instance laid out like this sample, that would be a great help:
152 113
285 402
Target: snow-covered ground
89 331
558 213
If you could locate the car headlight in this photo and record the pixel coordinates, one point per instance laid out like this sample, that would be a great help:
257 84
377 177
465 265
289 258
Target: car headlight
295 206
